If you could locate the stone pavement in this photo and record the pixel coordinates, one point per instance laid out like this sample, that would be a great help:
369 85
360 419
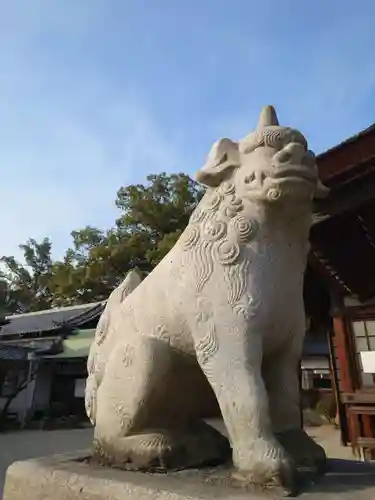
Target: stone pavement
329 438
22 445
348 480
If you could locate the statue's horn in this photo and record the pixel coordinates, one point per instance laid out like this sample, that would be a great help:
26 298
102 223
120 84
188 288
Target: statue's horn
268 117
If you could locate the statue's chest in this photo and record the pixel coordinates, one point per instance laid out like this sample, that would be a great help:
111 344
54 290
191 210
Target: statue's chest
275 280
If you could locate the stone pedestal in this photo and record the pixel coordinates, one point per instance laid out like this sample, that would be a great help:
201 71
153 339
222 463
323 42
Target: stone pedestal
70 477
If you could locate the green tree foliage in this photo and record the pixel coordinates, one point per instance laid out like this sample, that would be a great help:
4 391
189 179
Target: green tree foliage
26 287
151 220
158 212
163 206
4 305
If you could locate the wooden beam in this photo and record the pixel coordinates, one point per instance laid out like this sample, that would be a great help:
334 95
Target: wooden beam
332 284
340 202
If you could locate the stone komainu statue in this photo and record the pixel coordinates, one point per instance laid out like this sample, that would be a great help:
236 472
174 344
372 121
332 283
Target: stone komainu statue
218 325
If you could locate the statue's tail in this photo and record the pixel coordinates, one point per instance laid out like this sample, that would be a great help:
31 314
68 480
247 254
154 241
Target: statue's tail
96 365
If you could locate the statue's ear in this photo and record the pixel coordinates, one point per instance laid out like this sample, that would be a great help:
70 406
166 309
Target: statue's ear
222 159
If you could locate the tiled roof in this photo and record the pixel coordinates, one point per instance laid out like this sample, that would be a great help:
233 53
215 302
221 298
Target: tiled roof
51 319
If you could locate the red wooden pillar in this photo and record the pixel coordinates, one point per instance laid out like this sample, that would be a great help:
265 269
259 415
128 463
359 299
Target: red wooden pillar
341 357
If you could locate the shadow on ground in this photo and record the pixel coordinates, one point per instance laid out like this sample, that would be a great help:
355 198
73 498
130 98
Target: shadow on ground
346 477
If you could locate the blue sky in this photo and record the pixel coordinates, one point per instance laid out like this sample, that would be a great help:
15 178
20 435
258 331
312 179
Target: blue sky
95 94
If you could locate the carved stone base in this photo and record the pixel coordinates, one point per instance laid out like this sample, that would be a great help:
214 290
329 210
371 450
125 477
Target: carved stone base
70 477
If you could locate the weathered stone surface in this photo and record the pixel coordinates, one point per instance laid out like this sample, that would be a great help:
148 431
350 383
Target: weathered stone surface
219 320
68 477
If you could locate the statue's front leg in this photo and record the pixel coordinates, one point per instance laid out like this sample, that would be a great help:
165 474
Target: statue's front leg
230 357
280 372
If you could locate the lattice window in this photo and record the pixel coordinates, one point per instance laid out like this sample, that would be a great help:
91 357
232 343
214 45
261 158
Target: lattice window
364 333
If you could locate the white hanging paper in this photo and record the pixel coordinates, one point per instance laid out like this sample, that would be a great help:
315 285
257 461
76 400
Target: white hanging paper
368 361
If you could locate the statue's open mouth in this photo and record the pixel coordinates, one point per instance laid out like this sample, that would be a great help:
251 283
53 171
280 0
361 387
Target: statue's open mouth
295 174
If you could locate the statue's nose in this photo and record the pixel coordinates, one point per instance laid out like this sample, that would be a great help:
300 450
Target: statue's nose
293 153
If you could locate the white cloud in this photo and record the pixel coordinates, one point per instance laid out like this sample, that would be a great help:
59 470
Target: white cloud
69 176
68 137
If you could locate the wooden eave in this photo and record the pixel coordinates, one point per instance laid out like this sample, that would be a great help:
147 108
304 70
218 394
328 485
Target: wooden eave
343 232
347 155
344 245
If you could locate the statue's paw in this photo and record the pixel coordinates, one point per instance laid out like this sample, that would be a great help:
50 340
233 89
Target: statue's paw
277 475
146 451
167 450
304 450
267 467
